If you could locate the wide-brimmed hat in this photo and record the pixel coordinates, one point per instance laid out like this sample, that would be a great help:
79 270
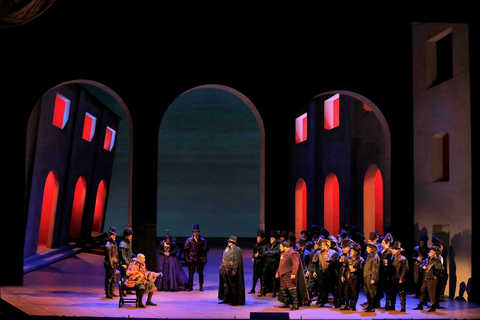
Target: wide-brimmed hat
112 231
232 239
397 245
356 247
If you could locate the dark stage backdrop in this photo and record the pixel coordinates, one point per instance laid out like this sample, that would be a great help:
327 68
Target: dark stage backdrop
208 166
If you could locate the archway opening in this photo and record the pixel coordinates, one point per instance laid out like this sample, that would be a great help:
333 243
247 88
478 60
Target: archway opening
49 209
373 201
98 215
78 207
300 206
331 203
211 162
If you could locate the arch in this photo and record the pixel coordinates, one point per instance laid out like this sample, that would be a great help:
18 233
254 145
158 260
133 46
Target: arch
99 211
331 203
373 200
300 206
49 209
258 122
369 106
111 93
78 207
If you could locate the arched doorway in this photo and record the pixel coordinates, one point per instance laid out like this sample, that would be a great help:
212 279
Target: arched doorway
211 162
331 204
300 206
78 207
373 201
99 212
49 209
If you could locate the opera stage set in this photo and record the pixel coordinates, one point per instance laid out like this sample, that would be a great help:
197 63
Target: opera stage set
270 118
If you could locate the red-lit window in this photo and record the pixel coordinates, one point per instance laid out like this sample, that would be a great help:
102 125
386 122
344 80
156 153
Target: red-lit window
301 128
89 127
109 139
61 111
366 108
331 112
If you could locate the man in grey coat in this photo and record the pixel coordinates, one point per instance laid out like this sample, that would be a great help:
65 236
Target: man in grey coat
371 276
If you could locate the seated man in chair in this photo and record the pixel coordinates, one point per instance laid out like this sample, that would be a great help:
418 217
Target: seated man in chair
144 279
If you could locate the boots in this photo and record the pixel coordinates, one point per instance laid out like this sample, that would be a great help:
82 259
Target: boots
200 280
419 307
347 305
294 294
140 294
254 284
190 281
149 300
403 300
285 299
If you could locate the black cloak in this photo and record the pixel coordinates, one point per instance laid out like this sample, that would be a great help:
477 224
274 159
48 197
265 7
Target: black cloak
239 296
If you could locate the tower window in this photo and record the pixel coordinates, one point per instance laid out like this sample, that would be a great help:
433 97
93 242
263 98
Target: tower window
109 139
440 58
331 112
89 127
301 128
61 111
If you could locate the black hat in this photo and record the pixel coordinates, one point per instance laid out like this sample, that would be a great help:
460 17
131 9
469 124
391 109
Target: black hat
424 238
373 235
302 241
291 237
195 227
167 235
388 239
372 245
112 231
274 234
324 232
127 231
356 247
347 243
314 229
342 235
261 233
397 245
232 239
435 240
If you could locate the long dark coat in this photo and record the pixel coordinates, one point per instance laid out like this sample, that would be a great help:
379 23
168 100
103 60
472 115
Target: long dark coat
239 279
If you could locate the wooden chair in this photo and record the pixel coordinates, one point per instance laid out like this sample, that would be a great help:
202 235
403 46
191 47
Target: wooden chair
122 288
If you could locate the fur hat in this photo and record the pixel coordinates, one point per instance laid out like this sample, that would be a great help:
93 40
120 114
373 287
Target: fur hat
261 233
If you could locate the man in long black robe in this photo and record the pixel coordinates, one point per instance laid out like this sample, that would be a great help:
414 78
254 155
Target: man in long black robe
231 287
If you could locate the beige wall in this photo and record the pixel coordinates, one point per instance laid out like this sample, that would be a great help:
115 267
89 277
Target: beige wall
444 107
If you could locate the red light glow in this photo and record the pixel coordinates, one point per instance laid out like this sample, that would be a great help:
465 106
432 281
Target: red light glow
331 203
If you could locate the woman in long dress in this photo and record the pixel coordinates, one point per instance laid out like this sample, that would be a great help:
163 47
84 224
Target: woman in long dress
174 277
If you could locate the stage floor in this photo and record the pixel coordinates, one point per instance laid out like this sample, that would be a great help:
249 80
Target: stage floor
73 287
